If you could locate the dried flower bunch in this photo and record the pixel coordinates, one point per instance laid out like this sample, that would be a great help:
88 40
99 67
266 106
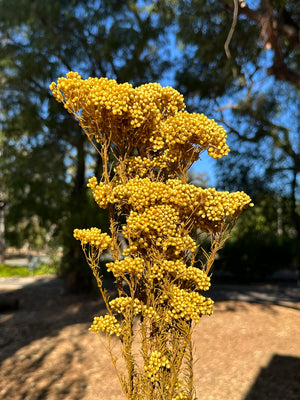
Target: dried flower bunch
148 142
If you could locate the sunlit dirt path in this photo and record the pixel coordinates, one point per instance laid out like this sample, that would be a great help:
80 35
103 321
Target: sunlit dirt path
245 351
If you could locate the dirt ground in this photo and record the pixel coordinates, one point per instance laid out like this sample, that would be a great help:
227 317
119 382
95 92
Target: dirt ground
248 350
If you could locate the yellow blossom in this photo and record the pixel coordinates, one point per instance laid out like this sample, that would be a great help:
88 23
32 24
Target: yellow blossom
107 323
93 237
155 362
147 141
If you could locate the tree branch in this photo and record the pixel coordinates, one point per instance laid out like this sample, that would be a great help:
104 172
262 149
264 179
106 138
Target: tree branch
271 30
286 146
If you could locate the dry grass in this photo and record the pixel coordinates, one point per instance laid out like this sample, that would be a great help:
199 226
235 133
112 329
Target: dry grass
245 351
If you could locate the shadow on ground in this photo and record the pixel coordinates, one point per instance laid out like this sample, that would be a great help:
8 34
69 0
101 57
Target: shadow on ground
37 367
44 310
266 295
279 380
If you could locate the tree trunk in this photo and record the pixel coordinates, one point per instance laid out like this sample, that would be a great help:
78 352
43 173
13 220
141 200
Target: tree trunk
296 218
74 270
2 230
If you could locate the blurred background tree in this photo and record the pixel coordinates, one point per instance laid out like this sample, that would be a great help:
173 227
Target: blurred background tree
237 61
45 159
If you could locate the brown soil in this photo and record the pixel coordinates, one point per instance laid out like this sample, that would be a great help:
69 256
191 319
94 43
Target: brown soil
245 351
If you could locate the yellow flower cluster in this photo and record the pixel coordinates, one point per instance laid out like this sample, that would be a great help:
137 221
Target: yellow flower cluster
159 220
141 166
197 276
149 312
157 272
181 396
140 193
108 324
128 265
105 108
127 303
208 204
180 272
121 304
188 305
161 225
219 205
153 99
93 237
138 166
184 132
174 268
155 362
162 210
102 192
153 142
149 116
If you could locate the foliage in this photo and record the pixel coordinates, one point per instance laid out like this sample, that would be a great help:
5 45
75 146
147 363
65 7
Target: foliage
46 269
252 89
260 112
242 37
14 270
162 218
240 60
255 258
44 157
262 242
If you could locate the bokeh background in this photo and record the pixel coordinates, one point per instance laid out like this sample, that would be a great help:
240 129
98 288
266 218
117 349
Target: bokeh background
236 61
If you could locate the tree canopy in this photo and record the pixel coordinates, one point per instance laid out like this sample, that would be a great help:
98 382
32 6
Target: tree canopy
237 61
241 60
44 153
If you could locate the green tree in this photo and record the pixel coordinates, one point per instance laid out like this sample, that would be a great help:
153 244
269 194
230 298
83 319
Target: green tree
235 60
240 62
45 157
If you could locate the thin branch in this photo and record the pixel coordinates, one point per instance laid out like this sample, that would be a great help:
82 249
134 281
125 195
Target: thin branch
227 107
271 27
232 28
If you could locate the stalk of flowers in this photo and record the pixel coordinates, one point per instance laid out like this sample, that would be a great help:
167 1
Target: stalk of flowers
160 285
